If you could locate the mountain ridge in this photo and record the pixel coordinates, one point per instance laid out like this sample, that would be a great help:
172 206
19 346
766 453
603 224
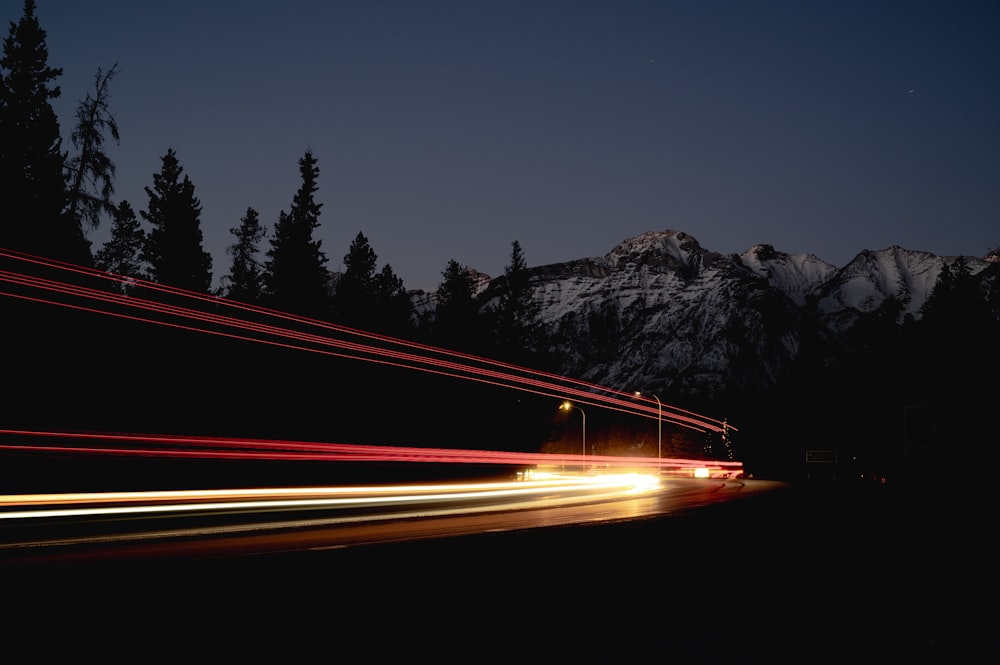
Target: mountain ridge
659 312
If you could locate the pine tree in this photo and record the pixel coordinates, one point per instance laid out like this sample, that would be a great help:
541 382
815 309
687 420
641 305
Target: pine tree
121 253
457 322
245 281
371 300
395 309
355 290
91 173
517 325
296 276
173 247
938 296
956 301
954 333
34 218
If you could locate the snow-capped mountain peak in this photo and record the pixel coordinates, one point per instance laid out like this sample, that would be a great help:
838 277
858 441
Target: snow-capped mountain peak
659 311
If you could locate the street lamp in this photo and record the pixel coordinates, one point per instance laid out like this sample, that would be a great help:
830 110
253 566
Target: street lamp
659 431
567 406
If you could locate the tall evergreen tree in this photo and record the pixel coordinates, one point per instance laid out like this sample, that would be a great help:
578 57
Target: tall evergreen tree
355 290
938 296
954 333
173 247
957 301
296 276
245 281
121 254
395 309
371 300
457 322
517 325
91 172
34 216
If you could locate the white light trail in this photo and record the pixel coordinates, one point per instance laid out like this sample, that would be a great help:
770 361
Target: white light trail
86 504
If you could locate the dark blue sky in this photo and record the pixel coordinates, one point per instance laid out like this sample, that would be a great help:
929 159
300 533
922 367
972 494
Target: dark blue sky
447 129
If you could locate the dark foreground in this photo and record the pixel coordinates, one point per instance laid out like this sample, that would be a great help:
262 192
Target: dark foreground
811 574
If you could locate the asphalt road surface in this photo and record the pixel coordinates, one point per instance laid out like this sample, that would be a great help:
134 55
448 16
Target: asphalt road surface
810 574
147 526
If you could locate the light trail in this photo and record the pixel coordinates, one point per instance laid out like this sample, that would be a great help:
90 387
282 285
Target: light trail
268 449
215 300
429 359
460 371
330 341
29 506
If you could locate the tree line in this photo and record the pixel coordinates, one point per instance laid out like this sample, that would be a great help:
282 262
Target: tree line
55 196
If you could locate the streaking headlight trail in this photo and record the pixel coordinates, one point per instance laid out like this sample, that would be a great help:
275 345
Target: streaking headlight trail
108 504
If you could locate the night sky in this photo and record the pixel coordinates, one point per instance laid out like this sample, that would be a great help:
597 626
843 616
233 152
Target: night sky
448 129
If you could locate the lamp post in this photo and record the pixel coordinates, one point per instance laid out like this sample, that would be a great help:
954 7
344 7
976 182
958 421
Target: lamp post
659 431
567 406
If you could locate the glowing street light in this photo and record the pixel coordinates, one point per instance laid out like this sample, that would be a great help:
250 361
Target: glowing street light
659 431
567 406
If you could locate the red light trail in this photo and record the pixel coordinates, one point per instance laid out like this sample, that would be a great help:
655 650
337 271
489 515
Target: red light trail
269 449
271 327
429 358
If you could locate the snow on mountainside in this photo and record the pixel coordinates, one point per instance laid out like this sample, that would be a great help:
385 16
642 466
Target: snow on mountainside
660 313
797 275
873 277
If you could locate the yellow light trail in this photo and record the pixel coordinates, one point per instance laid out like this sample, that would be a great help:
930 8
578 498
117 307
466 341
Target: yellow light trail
84 504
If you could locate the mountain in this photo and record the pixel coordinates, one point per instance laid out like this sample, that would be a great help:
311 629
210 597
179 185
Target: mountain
793 352
660 313
787 344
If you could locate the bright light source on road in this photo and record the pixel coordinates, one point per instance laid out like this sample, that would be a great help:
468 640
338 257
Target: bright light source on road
638 482
644 482
701 472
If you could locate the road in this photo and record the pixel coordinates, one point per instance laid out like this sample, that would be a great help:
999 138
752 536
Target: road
184 525
703 570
